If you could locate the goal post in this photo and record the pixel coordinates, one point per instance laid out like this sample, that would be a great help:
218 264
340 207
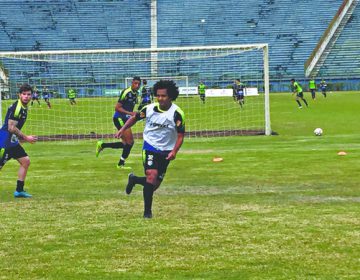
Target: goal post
181 81
98 76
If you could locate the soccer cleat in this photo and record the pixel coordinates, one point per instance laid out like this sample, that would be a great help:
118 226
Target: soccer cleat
130 185
122 166
300 107
147 215
22 194
99 147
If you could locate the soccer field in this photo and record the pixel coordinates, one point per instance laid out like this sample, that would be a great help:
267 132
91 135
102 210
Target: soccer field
277 207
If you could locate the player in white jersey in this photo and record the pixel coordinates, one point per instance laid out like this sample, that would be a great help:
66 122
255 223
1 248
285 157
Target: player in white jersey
163 136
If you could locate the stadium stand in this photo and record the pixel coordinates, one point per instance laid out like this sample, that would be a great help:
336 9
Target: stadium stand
344 51
291 27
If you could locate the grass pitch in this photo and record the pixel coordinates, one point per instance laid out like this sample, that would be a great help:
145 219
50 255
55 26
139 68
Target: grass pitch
279 207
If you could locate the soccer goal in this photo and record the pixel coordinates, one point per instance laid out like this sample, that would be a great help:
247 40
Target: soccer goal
98 76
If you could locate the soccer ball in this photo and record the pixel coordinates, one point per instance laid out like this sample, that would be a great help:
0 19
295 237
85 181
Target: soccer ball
318 131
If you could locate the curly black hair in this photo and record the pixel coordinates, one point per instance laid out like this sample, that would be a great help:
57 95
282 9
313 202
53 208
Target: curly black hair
170 86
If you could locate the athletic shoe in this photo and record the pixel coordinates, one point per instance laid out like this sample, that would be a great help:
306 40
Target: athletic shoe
148 215
130 185
300 107
122 166
22 194
99 147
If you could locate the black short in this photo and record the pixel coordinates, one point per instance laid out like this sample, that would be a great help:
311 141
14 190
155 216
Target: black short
239 97
300 94
202 96
158 161
120 121
12 152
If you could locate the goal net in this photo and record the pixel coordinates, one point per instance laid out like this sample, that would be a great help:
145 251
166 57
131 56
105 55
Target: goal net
98 76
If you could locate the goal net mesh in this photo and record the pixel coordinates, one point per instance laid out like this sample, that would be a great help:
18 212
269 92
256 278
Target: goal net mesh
98 76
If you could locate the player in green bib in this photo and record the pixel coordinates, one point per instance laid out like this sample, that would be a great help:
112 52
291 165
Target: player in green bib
297 89
312 88
201 91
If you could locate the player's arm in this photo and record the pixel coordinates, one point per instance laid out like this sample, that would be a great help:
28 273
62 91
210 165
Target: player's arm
180 128
119 108
119 105
178 144
131 121
22 137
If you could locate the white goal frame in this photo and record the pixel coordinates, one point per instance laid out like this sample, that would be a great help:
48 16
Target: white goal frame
175 78
213 51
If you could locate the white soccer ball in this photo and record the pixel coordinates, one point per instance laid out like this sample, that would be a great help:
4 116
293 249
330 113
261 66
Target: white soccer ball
318 131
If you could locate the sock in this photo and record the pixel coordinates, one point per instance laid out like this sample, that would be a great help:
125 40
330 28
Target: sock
126 151
121 161
298 102
115 145
148 192
20 186
305 102
139 180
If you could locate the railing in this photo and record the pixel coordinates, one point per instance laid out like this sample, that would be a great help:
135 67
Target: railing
324 37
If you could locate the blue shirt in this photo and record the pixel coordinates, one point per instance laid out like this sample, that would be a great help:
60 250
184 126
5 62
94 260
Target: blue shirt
17 112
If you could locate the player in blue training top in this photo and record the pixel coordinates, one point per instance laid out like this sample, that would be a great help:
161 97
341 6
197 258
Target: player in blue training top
35 96
163 136
46 96
323 87
124 109
11 135
146 95
239 92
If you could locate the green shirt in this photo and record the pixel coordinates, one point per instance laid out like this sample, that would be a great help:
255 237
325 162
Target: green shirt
71 93
312 84
297 87
201 89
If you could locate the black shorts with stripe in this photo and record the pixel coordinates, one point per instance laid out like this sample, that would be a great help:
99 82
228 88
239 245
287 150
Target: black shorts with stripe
13 152
120 121
158 161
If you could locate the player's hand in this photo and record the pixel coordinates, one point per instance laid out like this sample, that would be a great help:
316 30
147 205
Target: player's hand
119 133
30 139
171 155
133 114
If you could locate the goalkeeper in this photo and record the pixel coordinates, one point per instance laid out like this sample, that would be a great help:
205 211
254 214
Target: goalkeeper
124 109
163 136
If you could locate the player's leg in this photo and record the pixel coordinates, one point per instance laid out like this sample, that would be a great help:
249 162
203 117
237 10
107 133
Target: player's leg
238 98
21 156
100 145
298 101
324 93
303 99
242 99
312 94
154 178
128 141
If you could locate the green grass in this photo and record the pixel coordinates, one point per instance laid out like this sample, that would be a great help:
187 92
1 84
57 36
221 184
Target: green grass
279 207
